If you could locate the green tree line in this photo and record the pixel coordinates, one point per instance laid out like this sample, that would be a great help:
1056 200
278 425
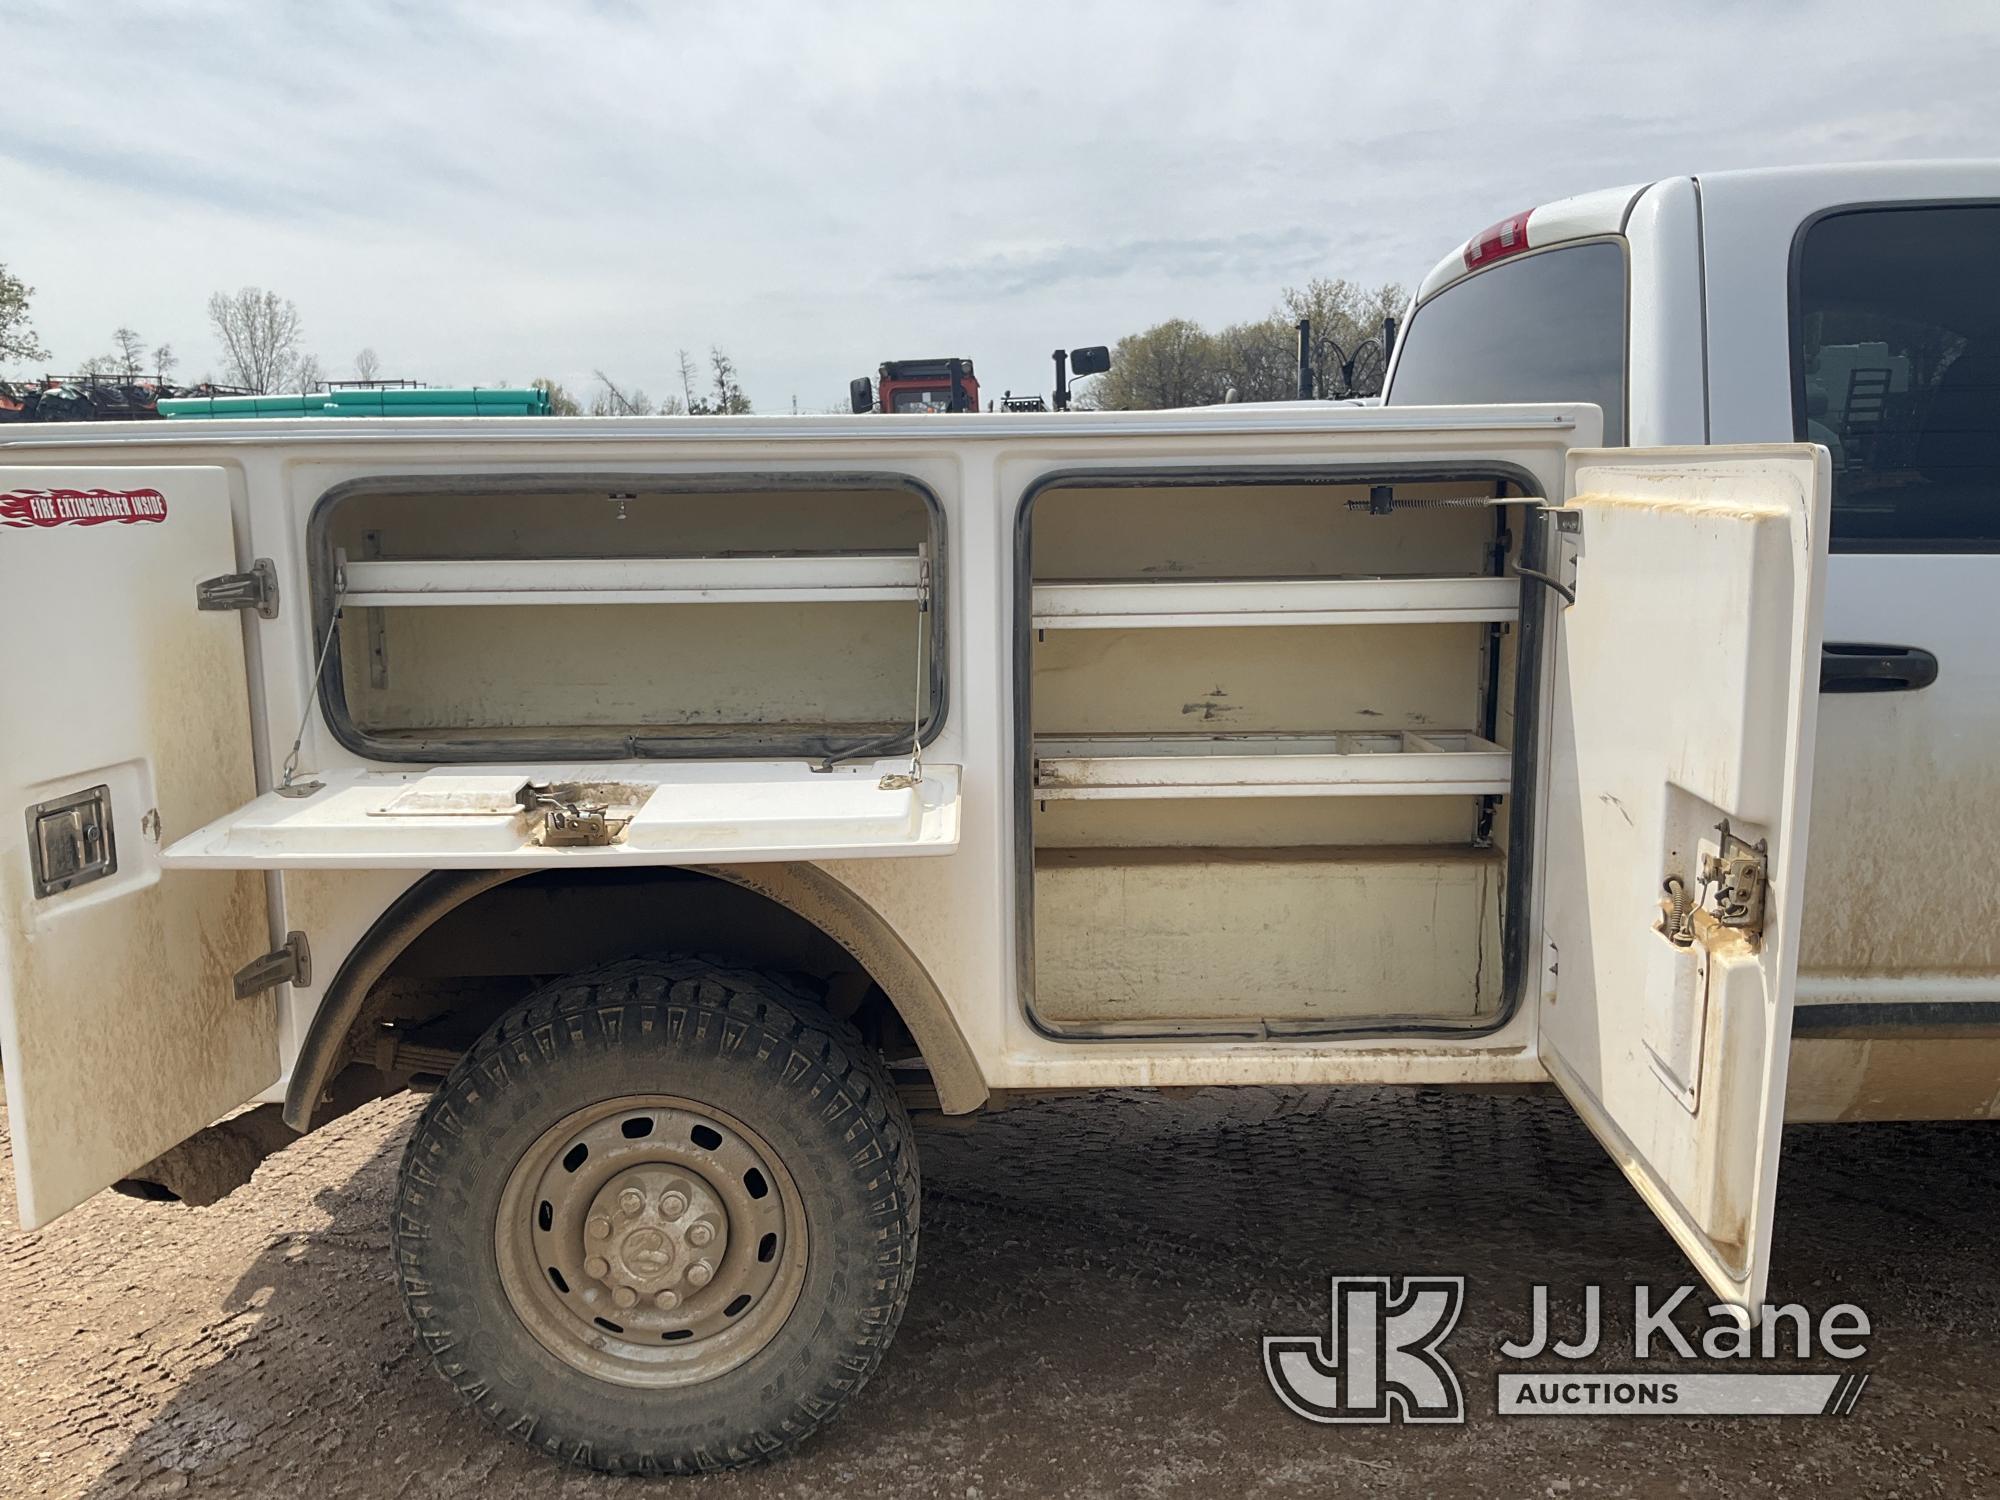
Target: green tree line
1181 363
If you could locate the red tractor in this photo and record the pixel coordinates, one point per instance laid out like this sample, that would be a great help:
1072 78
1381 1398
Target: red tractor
907 385
934 385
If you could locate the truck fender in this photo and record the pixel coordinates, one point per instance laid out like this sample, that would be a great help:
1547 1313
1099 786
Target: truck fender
804 889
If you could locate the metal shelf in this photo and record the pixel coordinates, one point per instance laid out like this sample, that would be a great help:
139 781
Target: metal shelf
800 579
1170 603
1366 764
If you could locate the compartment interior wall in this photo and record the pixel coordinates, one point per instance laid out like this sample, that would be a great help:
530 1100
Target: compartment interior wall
1296 935
631 667
1255 531
1171 913
772 671
1284 679
620 520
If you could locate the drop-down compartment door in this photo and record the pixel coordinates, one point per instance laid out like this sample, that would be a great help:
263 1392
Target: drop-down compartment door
623 813
1683 697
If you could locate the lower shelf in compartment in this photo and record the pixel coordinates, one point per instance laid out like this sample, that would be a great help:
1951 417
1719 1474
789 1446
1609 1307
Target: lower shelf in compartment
1278 937
1392 763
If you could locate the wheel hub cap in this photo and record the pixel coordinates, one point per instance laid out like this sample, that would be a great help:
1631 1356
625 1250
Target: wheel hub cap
653 1234
650 1240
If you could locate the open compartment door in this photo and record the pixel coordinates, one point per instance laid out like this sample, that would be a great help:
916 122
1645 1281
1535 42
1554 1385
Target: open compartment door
1682 700
124 721
542 816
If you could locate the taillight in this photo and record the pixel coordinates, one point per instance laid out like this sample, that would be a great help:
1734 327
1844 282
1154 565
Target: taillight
1508 237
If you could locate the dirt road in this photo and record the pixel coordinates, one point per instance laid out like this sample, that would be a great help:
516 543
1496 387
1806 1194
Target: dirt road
1095 1279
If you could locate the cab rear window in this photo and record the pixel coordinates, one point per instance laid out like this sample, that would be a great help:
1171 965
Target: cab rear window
1549 326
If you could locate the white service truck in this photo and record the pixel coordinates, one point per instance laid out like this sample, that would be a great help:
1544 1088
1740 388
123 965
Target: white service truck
684 801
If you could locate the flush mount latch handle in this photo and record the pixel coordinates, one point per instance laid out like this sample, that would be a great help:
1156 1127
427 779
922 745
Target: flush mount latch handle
70 841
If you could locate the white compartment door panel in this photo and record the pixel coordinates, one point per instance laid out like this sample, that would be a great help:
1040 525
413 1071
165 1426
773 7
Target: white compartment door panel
1684 693
622 813
124 723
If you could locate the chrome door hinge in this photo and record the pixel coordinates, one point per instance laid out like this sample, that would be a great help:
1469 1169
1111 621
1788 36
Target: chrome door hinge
256 589
291 964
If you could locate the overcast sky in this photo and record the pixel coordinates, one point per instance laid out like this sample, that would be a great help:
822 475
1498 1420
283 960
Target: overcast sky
488 192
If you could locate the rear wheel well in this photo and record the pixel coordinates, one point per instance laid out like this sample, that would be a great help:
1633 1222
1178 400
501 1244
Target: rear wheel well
457 950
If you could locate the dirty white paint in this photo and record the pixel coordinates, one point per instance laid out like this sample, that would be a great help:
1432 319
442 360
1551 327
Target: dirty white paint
120 1029
1684 692
957 914
663 813
1298 935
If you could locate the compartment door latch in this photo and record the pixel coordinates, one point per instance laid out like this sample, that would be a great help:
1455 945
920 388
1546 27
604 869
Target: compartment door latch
256 589
1739 874
570 817
291 964
70 842
1736 877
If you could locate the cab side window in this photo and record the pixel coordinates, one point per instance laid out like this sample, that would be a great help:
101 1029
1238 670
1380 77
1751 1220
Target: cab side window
1896 369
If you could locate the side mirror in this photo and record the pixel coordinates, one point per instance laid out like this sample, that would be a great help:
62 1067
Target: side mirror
860 395
1094 360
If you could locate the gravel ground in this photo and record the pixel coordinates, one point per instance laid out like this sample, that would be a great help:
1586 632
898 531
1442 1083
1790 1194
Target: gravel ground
1095 1278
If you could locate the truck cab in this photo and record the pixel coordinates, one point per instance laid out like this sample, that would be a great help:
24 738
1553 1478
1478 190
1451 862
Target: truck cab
1853 307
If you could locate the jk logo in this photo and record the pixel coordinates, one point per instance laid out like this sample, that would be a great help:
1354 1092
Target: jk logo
1382 1362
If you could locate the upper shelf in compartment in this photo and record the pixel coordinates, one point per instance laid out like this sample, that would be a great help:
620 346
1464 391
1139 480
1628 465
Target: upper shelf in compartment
1127 605
1398 763
829 577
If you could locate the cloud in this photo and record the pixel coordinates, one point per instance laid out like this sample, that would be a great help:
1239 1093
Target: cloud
483 192
1290 252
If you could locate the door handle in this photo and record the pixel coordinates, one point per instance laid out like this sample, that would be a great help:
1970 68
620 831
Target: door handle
1857 667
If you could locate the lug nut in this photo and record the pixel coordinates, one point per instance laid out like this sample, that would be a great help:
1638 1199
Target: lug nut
624 1296
700 1272
667 1301
600 1227
700 1234
673 1205
597 1266
632 1201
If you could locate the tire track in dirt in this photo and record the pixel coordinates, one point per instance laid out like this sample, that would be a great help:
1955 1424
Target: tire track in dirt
1095 1276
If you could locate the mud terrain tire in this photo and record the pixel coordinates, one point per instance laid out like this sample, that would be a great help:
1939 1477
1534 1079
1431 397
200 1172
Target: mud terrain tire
659 1042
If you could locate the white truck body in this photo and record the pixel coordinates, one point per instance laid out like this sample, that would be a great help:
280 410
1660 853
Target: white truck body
124 981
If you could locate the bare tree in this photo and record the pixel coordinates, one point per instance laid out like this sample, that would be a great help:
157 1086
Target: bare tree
131 355
687 371
729 398
367 365
17 335
612 401
259 332
1348 356
307 374
725 397
164 361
